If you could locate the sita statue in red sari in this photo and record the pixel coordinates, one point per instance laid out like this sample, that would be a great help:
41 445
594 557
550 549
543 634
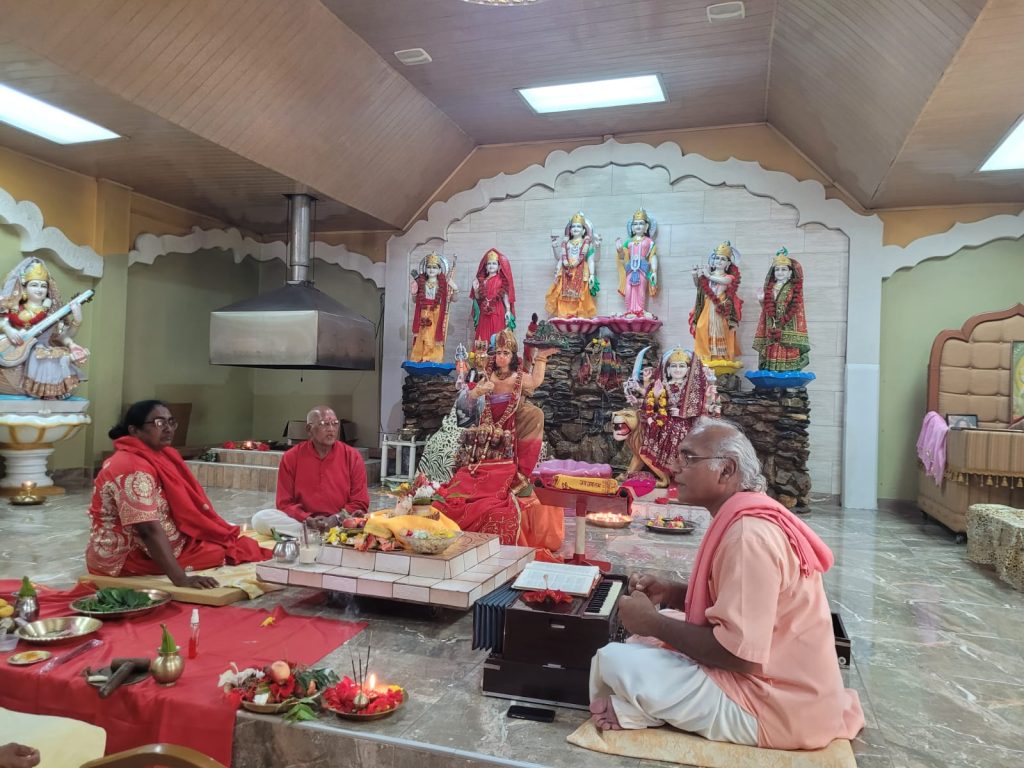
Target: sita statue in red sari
432 290
494 296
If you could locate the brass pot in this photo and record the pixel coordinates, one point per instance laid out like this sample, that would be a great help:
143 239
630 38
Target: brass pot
166 668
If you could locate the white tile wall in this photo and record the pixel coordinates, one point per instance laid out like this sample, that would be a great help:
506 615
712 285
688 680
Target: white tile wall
693 218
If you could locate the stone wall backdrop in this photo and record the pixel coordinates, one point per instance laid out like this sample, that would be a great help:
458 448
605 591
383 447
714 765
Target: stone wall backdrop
693 217
777 421
577 414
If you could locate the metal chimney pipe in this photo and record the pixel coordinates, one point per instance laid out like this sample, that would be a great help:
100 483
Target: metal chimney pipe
298 242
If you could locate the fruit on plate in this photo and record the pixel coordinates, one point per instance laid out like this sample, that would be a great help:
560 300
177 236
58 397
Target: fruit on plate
353 522
671 522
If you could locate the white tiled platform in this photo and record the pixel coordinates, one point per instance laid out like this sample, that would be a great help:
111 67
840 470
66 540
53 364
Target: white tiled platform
472 567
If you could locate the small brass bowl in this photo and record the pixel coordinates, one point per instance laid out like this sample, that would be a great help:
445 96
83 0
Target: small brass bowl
58 630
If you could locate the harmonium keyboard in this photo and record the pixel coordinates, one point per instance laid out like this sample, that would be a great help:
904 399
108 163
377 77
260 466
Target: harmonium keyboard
542 654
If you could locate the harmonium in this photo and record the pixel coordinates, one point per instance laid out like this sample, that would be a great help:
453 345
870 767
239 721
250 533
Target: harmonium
541 653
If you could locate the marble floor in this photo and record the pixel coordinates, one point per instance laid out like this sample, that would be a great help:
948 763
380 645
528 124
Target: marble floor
937 646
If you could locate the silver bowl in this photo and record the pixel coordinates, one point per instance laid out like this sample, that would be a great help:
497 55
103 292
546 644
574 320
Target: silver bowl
158 596
58 630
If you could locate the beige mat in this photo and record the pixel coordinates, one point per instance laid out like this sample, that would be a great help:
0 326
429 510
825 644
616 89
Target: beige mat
672 746
61 741
238 582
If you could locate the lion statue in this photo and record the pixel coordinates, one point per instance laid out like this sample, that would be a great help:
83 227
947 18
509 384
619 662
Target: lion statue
626 429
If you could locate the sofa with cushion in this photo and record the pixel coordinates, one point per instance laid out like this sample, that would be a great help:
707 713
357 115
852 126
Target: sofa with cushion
969 372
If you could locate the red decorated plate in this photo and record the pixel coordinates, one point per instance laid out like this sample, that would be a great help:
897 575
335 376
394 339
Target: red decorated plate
373 716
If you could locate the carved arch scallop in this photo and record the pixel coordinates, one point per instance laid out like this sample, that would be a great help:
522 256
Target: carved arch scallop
149 247
26 218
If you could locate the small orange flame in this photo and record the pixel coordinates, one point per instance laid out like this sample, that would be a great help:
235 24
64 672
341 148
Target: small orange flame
371 684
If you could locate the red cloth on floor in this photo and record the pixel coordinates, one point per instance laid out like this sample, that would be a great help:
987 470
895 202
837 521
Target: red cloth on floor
194 712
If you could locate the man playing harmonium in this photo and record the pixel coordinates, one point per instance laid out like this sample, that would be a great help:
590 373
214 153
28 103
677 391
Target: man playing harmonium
753 660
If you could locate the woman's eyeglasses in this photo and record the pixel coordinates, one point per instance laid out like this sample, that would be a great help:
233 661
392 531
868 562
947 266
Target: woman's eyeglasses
161 423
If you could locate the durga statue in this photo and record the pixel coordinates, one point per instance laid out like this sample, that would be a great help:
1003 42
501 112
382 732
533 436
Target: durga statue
637 260
494 296
433 291
668 399
38 354
572 294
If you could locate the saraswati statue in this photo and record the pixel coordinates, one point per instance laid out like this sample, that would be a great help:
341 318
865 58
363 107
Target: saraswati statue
572 294
38 354
433 291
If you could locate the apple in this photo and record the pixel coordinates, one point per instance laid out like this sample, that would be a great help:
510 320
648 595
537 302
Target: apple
280 672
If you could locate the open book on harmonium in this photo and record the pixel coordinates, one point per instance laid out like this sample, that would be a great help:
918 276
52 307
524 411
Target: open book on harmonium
576 580
541 652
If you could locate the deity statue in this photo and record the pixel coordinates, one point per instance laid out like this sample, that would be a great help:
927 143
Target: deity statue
433 290
461 366
38 354
494 296
718 308
668 399
781 339
572 294
638 263
500 399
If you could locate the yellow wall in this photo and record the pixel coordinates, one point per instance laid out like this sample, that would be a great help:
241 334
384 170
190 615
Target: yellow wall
167 344
917 304
280 396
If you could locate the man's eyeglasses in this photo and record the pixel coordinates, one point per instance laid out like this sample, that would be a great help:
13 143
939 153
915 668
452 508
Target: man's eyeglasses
686 459
161 423
325 424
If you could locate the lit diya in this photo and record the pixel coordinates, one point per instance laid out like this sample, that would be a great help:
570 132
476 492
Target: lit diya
360 697
609 520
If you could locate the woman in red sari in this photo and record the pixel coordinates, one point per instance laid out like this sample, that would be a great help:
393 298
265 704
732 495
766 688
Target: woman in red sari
149 513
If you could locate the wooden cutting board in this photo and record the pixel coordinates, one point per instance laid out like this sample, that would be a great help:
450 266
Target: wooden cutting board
217 596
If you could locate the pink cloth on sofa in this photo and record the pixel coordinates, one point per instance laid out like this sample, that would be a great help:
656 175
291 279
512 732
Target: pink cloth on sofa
931 446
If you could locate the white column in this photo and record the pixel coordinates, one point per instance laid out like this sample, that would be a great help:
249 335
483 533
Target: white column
26 465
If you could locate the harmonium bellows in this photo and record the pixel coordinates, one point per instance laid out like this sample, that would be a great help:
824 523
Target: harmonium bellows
542 654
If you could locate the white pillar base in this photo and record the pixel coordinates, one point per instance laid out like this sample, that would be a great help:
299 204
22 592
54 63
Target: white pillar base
25 465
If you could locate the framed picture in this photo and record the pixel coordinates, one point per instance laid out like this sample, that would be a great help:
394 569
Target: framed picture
962 420
1017 383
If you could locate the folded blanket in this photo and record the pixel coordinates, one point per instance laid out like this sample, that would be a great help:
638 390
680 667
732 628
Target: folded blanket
671 746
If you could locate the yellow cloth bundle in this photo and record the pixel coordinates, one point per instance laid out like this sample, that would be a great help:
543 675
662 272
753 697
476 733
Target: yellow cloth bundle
386 527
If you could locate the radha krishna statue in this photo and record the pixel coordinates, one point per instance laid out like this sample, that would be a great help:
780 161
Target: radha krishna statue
38 355
572 294
717 310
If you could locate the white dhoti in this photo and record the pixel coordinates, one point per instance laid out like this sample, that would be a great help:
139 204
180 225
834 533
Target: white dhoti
650 686
266 519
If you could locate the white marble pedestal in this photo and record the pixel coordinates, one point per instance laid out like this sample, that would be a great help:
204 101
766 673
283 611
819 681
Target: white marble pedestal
28 430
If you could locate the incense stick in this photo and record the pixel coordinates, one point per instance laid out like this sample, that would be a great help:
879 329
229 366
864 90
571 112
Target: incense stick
369 645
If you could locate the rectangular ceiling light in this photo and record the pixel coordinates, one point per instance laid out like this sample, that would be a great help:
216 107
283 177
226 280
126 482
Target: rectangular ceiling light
596 94
30 114
1009 155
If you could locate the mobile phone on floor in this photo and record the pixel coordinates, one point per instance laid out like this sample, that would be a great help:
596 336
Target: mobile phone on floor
537 714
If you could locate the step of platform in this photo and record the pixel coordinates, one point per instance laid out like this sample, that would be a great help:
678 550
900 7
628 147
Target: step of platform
240 477
254 470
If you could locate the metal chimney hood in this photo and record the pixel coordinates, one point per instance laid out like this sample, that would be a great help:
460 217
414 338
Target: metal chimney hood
295 326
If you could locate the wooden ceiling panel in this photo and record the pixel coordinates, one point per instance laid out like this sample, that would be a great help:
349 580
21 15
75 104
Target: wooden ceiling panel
284 85
713 73
850 77
978 100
